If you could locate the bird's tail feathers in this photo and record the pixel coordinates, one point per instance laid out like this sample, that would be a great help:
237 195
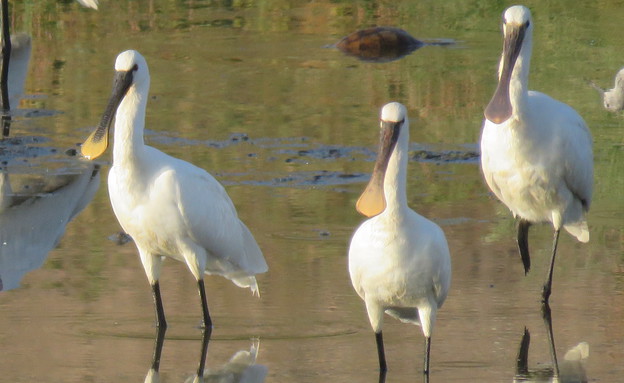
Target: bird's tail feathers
253 260
239 278
579 230
247 281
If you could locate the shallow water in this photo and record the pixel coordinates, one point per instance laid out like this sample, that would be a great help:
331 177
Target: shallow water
248 91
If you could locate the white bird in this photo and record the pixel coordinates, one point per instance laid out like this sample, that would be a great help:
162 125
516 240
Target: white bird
536 152
168 206
89 3
399 261
613 99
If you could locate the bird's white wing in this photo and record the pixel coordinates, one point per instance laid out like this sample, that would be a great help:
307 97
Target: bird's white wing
211 219
579 171
572 143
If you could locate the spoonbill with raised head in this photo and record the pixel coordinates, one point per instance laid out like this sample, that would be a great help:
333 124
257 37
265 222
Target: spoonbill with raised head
399 261
536 152
168 206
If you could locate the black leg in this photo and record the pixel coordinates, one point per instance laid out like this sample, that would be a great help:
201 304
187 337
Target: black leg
382 376
548 283
523 243
158 345
522 361
202 295
204 351
160 312
551 338
4 70
383 367
427 351
6 56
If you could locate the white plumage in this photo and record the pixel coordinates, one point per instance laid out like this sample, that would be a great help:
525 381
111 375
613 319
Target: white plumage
168 206
399 261
613 99
536 152
89 3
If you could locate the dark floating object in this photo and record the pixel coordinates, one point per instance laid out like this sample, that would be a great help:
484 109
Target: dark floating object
382 44
379 44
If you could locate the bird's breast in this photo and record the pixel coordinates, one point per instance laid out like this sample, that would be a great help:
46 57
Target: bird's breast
522 171
154 225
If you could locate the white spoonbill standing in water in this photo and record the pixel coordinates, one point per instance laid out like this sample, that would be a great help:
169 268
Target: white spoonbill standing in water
536 152
168 206
399 261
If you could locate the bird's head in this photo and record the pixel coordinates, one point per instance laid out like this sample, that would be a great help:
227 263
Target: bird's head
393 121
130 71
517 29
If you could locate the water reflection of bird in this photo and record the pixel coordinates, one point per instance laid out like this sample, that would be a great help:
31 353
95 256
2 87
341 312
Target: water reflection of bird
399 261
241 368
613 99
536 152
18 67
571 370
168 206
33 217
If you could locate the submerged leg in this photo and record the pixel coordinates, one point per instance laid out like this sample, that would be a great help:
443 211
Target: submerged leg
383 367
204 351
160 312
202 295
548 284
523 243
382 376
158 345
427 351
551 338
522 360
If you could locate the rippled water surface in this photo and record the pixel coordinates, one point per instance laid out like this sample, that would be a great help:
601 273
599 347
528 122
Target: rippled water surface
252 92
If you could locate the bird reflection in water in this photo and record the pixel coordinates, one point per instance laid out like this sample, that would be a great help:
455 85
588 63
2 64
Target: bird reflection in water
34 211
241 368
21 48
17 70
570 370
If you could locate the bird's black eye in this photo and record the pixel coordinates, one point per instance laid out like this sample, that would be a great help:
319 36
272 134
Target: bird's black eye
135 68
526 25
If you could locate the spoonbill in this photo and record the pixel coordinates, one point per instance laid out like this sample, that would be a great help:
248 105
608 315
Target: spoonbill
536 152
168 206
89 3
399 261
613 99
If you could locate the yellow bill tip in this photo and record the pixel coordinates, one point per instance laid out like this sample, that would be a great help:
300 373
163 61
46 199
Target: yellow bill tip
372 202
95 145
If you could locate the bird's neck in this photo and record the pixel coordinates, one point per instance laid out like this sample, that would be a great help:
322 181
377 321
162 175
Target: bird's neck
519 84
396 173
129 123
